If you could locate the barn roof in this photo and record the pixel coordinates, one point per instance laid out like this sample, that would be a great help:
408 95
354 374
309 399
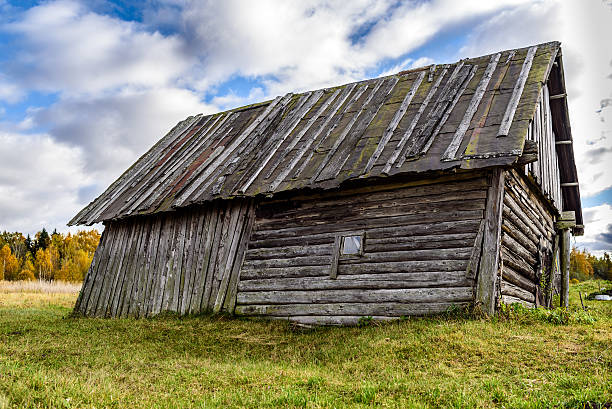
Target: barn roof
468 115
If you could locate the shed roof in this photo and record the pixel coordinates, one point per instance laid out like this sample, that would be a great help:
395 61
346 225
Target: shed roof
468 115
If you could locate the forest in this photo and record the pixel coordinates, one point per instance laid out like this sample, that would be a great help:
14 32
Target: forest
55 256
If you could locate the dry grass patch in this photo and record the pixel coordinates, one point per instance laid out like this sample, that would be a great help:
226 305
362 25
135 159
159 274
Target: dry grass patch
39 286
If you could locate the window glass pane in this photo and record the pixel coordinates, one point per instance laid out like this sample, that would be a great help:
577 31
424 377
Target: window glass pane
351 245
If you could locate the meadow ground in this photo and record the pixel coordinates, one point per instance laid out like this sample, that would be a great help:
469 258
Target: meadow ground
519 359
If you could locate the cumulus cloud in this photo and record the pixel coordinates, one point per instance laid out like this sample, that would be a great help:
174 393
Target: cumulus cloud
597 229
583 28
65 47
39 181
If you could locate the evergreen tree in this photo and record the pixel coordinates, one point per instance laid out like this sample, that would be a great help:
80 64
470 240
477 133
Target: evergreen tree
43 239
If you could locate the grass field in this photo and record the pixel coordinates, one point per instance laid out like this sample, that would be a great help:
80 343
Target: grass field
48 359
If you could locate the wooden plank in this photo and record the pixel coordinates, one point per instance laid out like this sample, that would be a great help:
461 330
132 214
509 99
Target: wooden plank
511 275
565 266
346 129
518 264
280 139
224 247
212 264
399 114
338 162
371 223
170 269
337 310
302 271
236 226
508 299
409 280
335 256
129 271
204 264
296 139
306 147
504 128
412 295
111 274
230 298
451 151
472 267
158 288
470 201
113 242
516 248
489 259
92 273
190 253
203 218
270 110
337 320
145 297
406 137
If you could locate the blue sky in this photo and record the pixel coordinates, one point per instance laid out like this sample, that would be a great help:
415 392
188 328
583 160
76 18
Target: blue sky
87 87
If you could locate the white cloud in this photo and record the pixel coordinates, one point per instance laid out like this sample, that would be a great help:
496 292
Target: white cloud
114 131
64 47
39 182
597 229
584 29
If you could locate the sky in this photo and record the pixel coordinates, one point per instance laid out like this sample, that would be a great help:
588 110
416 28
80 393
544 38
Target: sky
87 87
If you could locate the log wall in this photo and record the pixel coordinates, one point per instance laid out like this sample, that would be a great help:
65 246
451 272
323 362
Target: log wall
186 262
527 244
419 253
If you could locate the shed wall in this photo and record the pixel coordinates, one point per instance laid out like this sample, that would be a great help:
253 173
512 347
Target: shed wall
419 253
186 262
527 244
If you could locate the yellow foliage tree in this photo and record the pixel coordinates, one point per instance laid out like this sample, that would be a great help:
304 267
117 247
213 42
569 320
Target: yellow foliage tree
43 264
580 267
9 265
27 271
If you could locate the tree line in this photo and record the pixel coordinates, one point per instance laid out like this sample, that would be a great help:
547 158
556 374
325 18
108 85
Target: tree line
47 256
584 265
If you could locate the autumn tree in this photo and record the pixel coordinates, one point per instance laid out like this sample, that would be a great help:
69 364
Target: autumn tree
580 267
9 265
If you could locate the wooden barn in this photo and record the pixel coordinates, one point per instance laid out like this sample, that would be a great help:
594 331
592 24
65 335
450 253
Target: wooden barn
408 194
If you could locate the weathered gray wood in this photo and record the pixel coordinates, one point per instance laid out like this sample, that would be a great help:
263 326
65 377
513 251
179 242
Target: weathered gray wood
230 298
101 276
338 310
472 267
288 251
189 253
199 249
145 297
335 256
512 275
296 139
514 246
407 280
565 265
419 243
504 128
130 270
394 122
380 222
92 273
233 242
489 260
508 299
270 109
209 288
406 137
327 124
338 320
111 275
451 151
518 264
413 295
229 223
201 299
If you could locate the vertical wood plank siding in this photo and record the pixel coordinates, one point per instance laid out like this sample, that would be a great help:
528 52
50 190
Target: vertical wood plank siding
418 241
168 262
527 243
545 170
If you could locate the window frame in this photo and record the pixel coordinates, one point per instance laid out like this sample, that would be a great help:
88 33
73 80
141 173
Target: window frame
338 247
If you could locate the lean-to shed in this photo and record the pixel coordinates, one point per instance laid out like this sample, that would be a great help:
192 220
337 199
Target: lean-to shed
402 195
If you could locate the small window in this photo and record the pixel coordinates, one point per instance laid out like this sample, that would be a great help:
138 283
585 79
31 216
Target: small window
351 245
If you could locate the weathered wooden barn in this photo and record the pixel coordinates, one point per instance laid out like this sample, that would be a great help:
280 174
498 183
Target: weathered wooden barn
402 195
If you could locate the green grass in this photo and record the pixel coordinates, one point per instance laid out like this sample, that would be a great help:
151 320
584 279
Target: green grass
520 359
